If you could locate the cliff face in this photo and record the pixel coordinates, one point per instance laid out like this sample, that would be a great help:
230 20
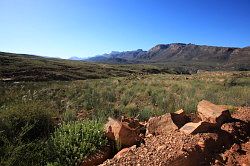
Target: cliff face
185 54
189 52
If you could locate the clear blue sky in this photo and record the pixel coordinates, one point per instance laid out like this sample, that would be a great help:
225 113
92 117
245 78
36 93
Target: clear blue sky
65 28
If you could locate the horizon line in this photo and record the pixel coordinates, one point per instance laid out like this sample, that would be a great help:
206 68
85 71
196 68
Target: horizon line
86 57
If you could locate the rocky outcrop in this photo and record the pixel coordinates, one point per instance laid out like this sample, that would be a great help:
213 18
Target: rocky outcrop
180 53
125 133
167 122
228 145
212 116
211 113
161 124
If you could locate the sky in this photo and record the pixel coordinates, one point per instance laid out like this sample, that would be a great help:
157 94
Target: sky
84 28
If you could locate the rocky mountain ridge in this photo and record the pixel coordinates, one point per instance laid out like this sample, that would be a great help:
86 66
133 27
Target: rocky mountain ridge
180 53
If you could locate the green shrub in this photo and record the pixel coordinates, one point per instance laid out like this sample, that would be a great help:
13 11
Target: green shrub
73 141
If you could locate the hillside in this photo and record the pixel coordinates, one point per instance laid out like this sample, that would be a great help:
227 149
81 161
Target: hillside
179 54
24 67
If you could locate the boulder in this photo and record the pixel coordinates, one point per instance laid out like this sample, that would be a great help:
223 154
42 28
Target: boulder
180 118
194 128
122 133
160 125
212 113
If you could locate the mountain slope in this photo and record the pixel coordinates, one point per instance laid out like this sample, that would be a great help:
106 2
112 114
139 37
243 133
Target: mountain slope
188 52
119 57
176 54
22 67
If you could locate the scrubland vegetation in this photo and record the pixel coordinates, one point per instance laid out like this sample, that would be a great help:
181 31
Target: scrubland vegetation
60 123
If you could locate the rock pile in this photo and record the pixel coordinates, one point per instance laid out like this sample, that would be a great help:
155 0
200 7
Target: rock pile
212 117
173 139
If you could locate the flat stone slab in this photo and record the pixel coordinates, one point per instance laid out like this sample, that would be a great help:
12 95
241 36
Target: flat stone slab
194 128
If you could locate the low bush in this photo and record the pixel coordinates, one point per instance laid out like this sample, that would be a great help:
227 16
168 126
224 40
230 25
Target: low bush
74 141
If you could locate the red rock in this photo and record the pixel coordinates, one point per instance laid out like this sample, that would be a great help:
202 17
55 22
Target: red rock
122 133
160 125
159 148
179 118
214 114
131 122
194 128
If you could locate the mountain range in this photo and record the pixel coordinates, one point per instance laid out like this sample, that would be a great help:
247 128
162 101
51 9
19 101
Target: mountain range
181 54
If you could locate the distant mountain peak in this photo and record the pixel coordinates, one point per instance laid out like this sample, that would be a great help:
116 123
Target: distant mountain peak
165 46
